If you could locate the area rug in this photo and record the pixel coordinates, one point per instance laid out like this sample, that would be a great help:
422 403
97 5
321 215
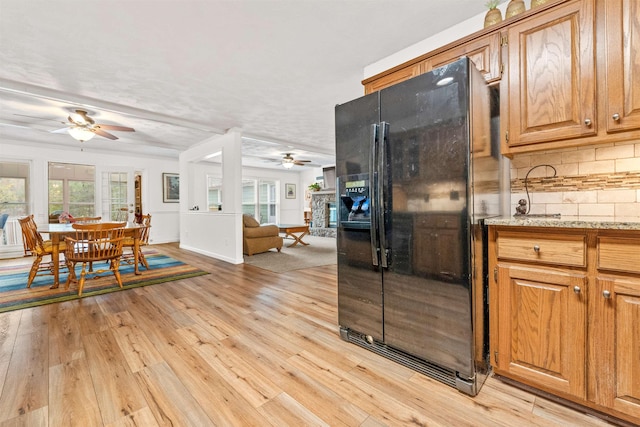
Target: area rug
320 251
14 294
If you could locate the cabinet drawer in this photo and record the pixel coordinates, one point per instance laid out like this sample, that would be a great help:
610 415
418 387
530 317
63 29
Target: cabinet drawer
619 254
549 249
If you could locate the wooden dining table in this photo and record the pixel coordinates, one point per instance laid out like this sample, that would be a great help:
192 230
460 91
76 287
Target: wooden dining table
57 233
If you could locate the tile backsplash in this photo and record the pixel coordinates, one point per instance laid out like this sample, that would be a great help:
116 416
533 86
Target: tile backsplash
600 181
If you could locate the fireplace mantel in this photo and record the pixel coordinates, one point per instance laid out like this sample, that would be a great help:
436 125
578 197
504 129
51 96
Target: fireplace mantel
320 213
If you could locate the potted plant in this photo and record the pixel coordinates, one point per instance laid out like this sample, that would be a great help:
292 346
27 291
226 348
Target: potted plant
314 187
494 15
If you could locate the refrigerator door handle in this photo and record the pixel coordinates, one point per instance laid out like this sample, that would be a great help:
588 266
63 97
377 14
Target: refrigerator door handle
372 196
382 179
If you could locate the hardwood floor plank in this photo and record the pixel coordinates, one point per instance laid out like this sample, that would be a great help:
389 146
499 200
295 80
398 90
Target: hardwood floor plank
142 418
133 343
238 347
286 411
115 387
171 403
556 413
247 381
219 328
383 406
332 408
65 339
9 323
36 418
75 402
26 385
217 398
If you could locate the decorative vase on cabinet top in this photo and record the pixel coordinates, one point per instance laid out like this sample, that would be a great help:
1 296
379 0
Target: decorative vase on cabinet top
536 3
492 17
515 7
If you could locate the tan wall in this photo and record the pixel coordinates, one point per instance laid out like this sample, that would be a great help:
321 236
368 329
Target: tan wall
602 181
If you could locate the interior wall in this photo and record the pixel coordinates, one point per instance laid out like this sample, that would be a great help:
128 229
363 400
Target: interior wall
436 41
165 215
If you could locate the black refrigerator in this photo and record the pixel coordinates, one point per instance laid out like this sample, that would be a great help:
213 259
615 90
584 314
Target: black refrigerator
417 172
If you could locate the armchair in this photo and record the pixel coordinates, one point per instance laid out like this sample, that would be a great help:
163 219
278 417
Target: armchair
258 238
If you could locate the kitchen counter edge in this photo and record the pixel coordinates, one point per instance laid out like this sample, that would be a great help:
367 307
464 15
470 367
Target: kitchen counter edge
567 222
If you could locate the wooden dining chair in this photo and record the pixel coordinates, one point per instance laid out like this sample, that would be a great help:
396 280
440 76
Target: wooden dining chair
86 219
121 214
129 257
35 245
94 242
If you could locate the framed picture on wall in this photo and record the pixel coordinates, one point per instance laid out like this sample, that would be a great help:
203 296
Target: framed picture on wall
290 191
170 187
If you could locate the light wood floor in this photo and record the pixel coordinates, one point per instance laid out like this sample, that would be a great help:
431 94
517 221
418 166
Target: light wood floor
241 346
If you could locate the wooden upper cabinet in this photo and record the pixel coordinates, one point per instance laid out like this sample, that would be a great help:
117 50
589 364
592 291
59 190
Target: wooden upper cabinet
393 78
484 52
623 65
551 75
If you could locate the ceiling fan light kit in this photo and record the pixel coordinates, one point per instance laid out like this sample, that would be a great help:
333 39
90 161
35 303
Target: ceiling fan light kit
80 133
288 161
83 128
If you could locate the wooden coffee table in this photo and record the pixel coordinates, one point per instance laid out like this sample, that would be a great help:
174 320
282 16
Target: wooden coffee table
297 232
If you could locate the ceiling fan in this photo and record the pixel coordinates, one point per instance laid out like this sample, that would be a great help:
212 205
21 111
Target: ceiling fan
288 161
83 128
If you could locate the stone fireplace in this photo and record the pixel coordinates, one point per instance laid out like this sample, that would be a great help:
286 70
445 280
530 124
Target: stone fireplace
323 213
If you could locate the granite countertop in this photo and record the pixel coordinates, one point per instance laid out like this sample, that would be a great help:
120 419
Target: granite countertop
612 223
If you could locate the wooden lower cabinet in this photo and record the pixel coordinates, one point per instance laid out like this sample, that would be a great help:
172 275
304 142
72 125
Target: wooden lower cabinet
616 349
542 328
570 329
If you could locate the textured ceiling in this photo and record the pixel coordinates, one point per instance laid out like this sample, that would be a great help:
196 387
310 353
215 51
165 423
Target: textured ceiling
180 71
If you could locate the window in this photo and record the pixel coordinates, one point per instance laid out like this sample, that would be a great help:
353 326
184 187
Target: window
214 193
117 187
14 188
259 199
71 189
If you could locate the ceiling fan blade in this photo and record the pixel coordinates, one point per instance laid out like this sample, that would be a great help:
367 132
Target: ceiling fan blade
63 130
113 127
104 134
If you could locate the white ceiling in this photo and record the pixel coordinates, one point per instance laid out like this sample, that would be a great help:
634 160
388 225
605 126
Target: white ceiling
180 71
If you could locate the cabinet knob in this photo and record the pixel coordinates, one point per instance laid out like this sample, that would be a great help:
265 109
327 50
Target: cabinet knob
536 248
576 289
616 117
606 294
587 122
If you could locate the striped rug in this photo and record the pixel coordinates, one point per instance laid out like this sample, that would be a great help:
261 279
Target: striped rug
15 295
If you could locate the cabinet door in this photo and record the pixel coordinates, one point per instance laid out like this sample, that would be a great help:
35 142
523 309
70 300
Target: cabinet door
551 75
393 78
541 328
617 305
483 52
623 65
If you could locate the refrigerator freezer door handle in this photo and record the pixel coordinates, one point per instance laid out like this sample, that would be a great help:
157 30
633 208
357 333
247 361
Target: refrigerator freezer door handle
372 196
382 179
